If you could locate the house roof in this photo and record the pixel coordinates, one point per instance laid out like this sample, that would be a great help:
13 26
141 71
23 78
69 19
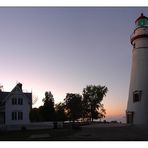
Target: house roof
4 95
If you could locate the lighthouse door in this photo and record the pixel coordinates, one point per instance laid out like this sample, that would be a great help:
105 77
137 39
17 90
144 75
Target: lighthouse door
129 117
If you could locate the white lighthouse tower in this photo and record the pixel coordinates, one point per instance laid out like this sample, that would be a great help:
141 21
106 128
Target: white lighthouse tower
137 108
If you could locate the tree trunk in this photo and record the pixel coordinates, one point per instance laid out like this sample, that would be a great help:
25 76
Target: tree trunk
91 114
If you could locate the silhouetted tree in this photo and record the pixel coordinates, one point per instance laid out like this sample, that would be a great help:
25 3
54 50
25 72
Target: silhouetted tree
92 97
60 112
102 111
47 109
73 104
99 112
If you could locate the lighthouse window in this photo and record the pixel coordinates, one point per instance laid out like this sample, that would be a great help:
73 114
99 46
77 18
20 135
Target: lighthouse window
142 22
137 96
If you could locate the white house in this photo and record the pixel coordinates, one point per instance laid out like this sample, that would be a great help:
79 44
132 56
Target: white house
15 106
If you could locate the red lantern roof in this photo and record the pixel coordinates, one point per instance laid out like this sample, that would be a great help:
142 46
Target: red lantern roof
141 17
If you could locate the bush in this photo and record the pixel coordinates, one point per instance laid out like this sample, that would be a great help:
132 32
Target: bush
76 126
23 128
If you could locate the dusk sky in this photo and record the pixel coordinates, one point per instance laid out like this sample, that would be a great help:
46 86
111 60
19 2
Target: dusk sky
64 49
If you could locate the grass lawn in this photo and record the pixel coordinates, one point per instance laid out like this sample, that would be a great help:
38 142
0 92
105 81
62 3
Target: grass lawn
54 135
92 132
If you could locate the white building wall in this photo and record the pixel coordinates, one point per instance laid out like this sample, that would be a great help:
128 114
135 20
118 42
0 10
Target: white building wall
139 81
141 42
25 108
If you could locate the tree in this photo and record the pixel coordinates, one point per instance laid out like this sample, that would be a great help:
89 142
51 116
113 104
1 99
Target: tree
60 112
47 109
102 111
99 112
73 104
92 97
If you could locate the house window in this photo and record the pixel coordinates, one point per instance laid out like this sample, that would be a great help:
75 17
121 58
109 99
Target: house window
20 115
14 115
137 96
17 115
14 101
20 101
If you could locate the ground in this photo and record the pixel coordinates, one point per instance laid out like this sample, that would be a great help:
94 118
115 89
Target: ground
91 132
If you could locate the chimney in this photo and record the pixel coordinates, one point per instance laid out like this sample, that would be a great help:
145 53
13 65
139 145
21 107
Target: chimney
20 86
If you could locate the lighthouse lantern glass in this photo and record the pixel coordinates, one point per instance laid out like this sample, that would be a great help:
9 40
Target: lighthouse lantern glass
142 22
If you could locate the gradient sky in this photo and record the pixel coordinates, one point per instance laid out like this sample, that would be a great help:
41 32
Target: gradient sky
64 49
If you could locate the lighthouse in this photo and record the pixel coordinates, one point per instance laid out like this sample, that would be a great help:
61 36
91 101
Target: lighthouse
137 107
